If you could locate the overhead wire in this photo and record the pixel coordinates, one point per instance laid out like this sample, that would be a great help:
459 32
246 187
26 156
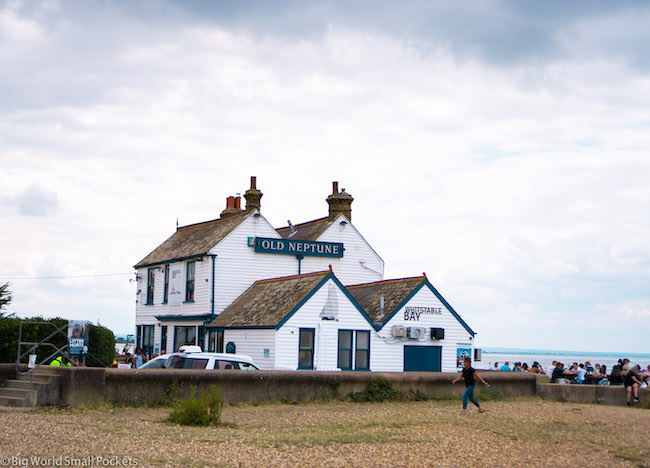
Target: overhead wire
63 277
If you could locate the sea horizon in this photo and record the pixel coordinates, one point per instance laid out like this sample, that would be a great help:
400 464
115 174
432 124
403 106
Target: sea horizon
500 350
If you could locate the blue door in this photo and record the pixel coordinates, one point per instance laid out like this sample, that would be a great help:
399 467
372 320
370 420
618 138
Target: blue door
422 358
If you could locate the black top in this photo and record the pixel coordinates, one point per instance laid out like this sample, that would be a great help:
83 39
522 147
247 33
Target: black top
628 378
468 375
557 374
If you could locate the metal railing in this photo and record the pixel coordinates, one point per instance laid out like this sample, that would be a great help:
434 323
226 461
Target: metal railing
34 346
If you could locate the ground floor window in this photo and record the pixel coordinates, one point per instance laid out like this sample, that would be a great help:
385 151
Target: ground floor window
147 339
345 350
359 341
215 341
184 336
362 353
306 349
163 338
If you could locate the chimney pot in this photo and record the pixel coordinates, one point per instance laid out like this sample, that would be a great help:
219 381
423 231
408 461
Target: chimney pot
253 196
340 203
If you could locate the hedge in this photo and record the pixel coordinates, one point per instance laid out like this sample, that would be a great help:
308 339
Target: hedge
101 340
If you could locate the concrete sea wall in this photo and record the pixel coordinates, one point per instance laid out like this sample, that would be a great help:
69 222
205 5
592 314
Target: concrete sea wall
80 385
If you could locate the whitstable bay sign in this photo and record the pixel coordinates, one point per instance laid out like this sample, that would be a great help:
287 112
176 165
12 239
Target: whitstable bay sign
297 247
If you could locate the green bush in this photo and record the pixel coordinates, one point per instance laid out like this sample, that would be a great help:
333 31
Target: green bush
194 412
102 346
376 390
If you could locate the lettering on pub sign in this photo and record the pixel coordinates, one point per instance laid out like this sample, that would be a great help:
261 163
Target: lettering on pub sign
298 247
413 313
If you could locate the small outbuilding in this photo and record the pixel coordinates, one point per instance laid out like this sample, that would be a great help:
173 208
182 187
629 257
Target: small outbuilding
312 321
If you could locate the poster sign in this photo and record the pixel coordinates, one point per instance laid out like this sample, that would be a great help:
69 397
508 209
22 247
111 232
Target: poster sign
176 288
463 350
78 337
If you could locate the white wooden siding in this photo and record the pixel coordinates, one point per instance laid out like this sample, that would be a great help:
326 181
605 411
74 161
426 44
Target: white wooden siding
253 343
238 266
348 269
326 331
387 353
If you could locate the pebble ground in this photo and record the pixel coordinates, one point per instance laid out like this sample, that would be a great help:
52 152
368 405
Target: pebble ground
528 433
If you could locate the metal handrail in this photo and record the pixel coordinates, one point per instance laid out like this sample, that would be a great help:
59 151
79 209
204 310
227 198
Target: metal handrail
44 342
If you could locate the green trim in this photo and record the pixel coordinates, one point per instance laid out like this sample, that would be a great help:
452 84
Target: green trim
356 348
181 318
440 298
339 349
313 347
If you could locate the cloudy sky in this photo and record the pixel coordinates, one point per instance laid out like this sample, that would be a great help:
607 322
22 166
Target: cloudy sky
502 147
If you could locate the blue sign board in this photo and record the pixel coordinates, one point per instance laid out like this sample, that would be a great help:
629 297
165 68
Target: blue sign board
78 332
298 247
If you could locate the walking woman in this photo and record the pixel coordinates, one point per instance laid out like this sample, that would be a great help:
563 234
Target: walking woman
469 373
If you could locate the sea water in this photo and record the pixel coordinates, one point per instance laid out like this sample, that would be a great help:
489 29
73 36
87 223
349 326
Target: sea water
546 357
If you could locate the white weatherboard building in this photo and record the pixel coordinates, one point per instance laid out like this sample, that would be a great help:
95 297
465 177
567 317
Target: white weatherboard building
309 296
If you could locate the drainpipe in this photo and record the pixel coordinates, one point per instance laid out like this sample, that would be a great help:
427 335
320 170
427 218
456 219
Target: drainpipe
213 257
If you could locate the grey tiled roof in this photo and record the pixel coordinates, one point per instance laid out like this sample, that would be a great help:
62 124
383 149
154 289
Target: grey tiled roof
193 240
268 301
310 231
395 291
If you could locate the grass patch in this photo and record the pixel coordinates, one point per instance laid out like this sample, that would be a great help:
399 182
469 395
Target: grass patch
194 412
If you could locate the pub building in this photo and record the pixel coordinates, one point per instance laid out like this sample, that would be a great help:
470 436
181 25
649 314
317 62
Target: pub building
304 296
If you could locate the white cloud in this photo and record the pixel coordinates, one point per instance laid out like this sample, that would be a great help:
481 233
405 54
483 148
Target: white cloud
517 183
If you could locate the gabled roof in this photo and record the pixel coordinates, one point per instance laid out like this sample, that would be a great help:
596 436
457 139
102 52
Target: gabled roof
270 303
193 240
394 291
397 293
267 302
310 230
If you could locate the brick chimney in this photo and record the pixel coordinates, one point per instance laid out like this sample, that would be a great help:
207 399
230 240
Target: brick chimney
340 203
253 196
233 207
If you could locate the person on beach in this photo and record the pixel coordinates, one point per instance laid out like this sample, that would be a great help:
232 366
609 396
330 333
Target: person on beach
469 373
632 383
505 367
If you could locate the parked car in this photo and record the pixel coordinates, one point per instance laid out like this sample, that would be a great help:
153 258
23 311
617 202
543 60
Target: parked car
159 361
156 363
210 361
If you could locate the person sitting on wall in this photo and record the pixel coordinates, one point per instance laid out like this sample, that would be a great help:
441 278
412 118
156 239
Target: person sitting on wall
616 378
560 373
646 376
550 369
603 375
632 383
581 373
505 367
589 368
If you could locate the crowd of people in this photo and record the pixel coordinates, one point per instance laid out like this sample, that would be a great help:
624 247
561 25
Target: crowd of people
624 374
